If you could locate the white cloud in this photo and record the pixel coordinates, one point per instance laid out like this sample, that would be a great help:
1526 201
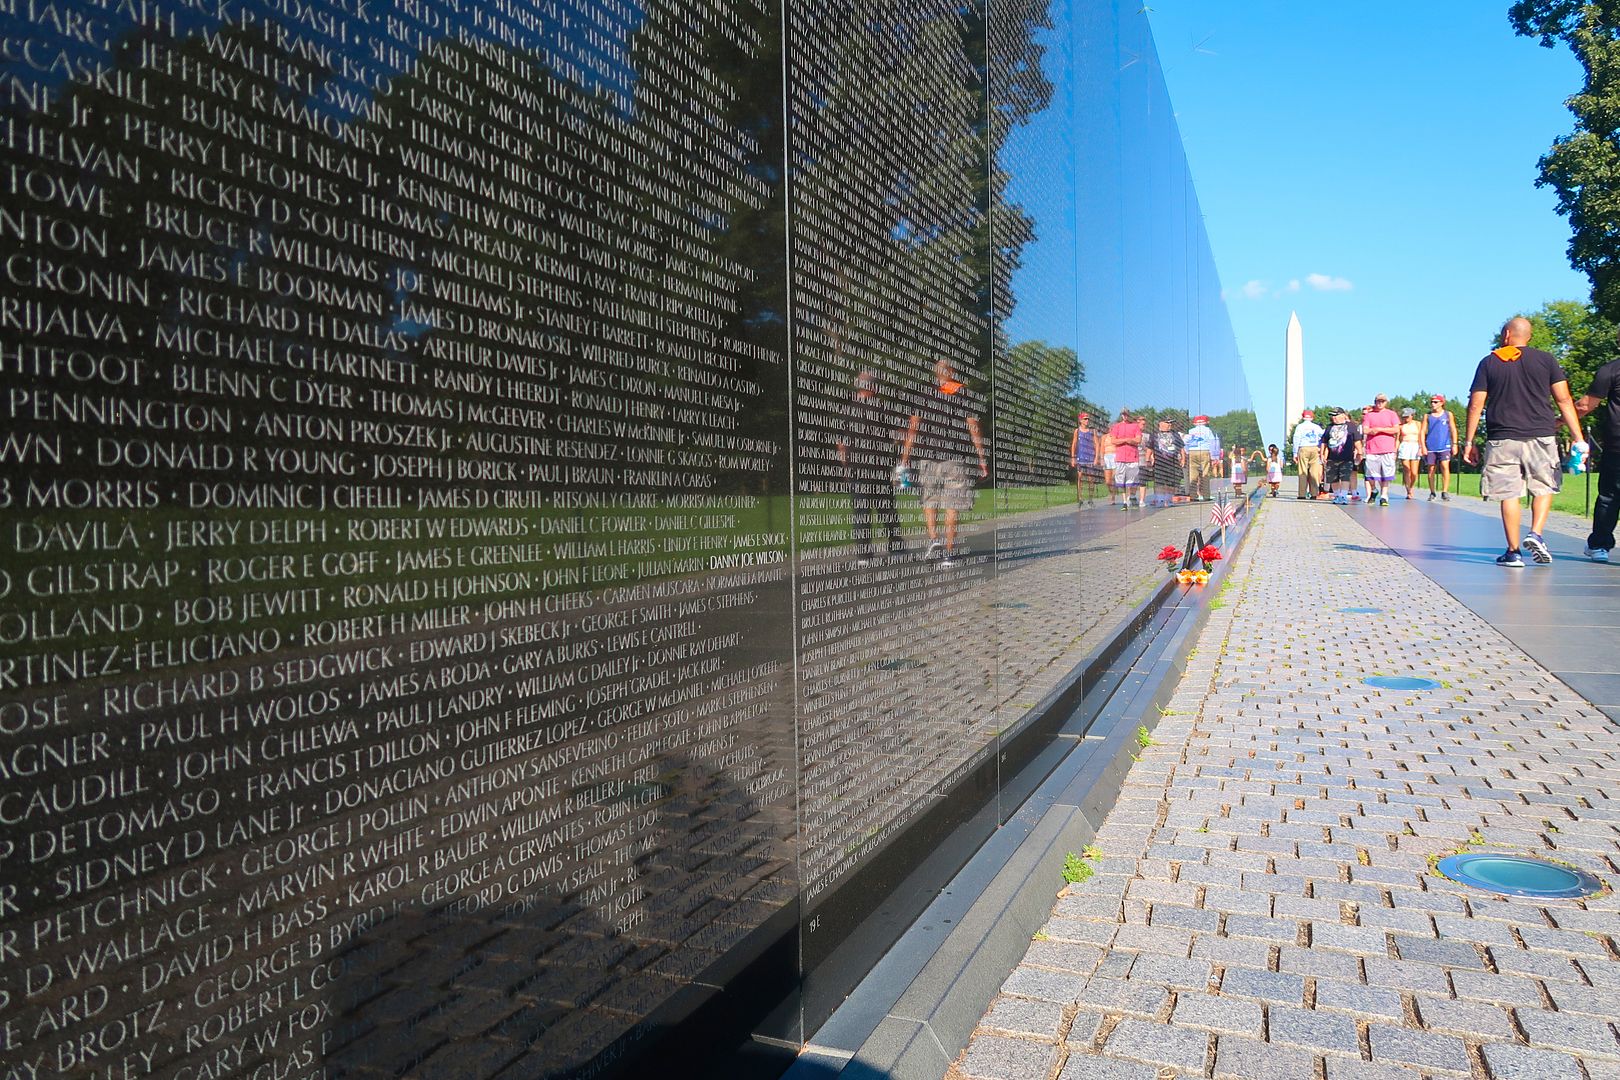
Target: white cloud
1293 286
1325 283
1254 290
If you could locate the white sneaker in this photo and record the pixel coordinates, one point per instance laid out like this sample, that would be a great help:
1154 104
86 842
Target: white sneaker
1597 554
936 548
946 563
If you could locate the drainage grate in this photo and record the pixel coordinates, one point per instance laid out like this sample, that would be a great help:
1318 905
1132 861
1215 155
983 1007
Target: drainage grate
1520 875
1401 682
1008 607
1362 610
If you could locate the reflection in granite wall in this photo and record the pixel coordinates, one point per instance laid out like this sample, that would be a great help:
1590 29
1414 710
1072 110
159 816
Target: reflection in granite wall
509 506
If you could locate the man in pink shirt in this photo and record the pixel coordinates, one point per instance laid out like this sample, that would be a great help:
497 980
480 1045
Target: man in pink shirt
1126 438
1381 429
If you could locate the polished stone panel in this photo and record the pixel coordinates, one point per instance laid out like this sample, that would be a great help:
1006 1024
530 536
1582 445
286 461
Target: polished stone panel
524 522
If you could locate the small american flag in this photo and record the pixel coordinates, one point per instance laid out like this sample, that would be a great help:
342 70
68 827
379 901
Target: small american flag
1224 514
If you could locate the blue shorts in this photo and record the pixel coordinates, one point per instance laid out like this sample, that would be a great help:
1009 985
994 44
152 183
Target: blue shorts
1436 457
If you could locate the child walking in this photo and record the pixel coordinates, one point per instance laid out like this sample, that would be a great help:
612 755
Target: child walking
1274 466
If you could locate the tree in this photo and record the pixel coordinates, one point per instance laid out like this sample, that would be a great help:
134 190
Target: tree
1583 167
1574 332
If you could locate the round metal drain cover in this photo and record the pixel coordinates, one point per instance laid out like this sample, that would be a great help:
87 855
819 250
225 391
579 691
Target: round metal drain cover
1401 682
1362 610
1520 875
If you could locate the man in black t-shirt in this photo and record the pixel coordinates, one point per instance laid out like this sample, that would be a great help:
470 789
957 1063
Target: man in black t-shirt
1605 511
1341 449
1521 447
868 445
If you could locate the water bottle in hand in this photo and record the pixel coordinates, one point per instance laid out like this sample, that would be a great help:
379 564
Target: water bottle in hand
1577 457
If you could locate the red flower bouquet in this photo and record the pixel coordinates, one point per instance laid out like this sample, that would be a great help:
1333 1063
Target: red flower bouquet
1170 555
1209 555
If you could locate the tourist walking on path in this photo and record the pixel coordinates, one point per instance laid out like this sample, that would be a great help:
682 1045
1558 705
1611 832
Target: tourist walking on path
1439 441
1086 454
935 436
1410 449
1308 454
1380 428
1521 447
1342 449
1605 387
1126 438
1200 441
1274 468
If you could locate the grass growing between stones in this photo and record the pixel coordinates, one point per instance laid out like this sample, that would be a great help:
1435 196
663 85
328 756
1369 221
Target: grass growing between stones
1075 869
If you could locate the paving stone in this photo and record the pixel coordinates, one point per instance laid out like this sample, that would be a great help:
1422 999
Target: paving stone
1509 1061
1339 1068
1424 1049
1185 918
1584 1035
1431 951
1359 999
1318 1032
1161 1044
1063 955
1362 940
1062 987
1249 1059
1221 1014
993 1057
1465 1018
1500 989
1092 1067
1264 929
1231 952
1124 995
1293 960
1266 985
1021 1016
1171 971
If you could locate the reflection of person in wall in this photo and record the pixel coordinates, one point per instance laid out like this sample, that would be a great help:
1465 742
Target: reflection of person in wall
934 437
866 449
1126 438
1085 451
1168 453
1200 464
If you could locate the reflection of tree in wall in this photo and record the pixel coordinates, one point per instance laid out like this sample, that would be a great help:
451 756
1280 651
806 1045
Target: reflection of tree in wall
1240 427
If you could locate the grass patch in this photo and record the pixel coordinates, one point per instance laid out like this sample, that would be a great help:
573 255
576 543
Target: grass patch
1143 739
1076 869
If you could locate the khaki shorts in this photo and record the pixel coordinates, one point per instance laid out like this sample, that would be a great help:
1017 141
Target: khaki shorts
945 485
1511 465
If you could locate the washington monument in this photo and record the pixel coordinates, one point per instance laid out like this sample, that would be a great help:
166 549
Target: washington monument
1294 376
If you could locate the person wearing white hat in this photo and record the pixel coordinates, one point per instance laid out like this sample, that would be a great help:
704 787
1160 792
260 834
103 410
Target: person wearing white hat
1308 454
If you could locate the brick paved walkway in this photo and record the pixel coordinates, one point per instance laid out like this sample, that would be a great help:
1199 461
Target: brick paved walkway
1264 905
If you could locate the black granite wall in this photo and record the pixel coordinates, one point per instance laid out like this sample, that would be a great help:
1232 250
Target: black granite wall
459 609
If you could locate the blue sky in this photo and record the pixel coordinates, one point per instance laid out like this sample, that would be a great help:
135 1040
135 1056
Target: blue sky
1390 150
